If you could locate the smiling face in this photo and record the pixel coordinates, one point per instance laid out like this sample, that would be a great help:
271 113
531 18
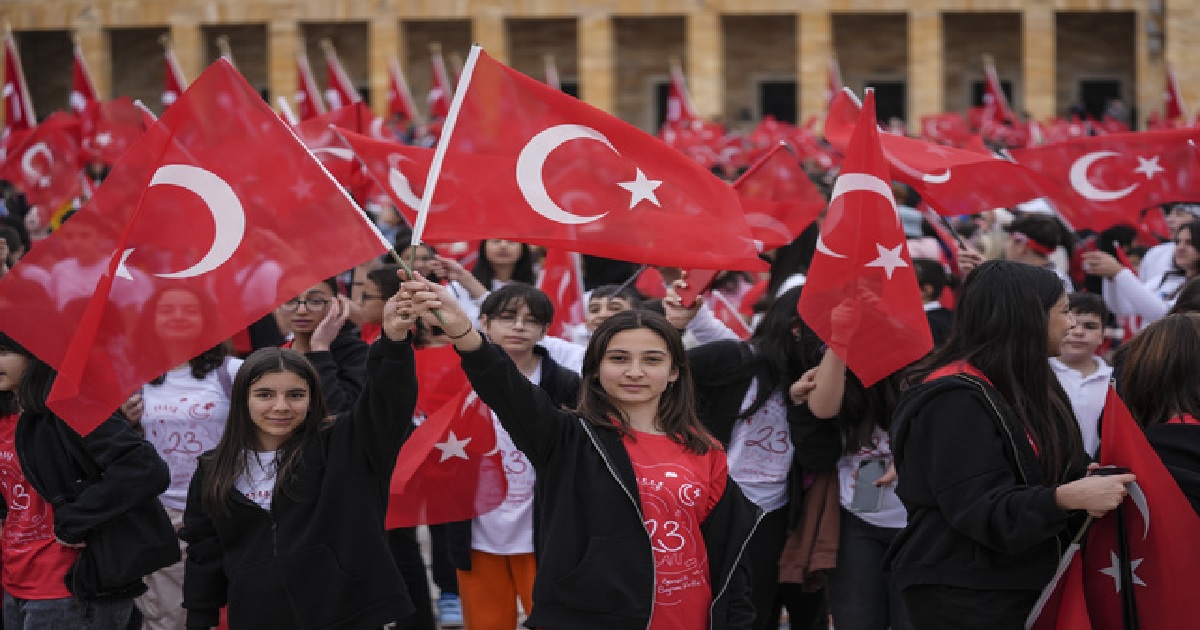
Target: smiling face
636 369
12 369
278 405
177 316
1060 322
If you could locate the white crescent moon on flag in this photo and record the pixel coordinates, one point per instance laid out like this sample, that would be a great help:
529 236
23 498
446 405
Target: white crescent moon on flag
851 182
228 215
27 160
767 222
1079 178
936 179
399 183
533 158
1139 499
337 152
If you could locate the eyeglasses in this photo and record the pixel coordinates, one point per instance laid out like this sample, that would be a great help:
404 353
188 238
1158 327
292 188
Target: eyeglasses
508 319
312 304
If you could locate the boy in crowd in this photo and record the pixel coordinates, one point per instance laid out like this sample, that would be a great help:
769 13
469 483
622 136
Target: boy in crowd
1082 373
931 278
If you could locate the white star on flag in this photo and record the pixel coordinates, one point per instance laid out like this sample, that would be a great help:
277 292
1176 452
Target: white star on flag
1114 571
641 188
452 447
1148 167
889 259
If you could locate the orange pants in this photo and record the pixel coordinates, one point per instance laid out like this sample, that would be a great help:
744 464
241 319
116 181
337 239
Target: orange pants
489 591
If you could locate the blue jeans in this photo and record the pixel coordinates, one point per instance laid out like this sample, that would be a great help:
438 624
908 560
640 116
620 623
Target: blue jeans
860 596
64 613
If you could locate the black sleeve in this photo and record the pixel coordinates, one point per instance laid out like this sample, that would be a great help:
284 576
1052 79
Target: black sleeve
528 414
817 441
343 370
382 419
955 447
131 472
205 584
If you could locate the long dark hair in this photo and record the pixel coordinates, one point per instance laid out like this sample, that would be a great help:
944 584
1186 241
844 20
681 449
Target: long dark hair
31 392
1001 327
227 462
203 363
676 414
522 271
1193 228
1161 375
782 352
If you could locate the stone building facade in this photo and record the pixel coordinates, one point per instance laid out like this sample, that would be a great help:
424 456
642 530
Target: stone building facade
743 58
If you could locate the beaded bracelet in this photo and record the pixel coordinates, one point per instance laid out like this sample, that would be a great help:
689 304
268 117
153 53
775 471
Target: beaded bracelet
464 333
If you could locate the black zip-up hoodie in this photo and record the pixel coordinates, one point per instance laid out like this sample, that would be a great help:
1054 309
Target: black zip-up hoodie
319 558
596 568
981 514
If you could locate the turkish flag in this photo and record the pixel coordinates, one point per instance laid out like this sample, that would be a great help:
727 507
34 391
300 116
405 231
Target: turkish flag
946 128
340 91
174 83
1063 605
399 169
833 79
778 198
861 296
680 107
109 128
400 100
1172 100
1160 532
83 89
449 469
523 161
319 135
219 200
45 166
953 181
1102 181
308 96
18 106
727 314
562 280
995 101
440 90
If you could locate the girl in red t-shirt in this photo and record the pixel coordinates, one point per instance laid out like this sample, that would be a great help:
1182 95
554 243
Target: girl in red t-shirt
634 493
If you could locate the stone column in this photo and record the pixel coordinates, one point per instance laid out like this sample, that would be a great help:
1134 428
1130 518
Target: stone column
284 41
384 44
1040 66
188 44
597 61
97 52
816 51
926 68
1181 23
489 31
705 63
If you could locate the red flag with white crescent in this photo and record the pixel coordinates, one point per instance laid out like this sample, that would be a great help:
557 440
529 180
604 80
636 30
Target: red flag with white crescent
309 103
1172 100
18 106
45 166
340 91
400 100
230 213
562 280
174 83
83 88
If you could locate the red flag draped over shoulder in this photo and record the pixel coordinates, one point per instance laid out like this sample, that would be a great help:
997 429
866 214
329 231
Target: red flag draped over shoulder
861 296
1101 181
218 199
1161 534
522 161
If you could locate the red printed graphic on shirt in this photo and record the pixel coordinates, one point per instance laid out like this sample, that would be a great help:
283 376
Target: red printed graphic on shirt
34 563
678 490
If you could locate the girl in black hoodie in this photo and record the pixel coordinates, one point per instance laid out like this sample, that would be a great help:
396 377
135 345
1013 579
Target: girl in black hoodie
989 458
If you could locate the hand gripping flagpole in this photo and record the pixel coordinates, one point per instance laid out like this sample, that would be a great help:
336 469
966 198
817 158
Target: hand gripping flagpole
439 156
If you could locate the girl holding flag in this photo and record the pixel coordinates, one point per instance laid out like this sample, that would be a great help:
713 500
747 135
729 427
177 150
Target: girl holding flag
284 518
640 526
989 457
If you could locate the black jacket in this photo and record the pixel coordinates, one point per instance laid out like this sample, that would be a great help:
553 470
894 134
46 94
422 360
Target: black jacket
562 385
319 558
981 514
596 569
720 397
1179 447
132 471
343 369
